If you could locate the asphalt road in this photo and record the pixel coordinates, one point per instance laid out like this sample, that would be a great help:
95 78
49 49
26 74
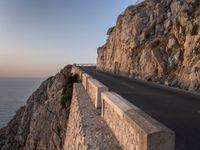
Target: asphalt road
179 111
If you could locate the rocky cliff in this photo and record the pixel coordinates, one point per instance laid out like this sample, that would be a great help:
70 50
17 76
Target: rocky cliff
47 122
156 40
41 124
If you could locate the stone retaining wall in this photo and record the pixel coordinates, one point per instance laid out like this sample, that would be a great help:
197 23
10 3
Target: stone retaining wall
133 128
86 130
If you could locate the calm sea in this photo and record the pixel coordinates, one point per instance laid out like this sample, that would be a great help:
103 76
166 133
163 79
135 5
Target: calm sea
14 93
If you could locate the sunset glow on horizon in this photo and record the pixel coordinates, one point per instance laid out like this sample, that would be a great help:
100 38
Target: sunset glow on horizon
38 38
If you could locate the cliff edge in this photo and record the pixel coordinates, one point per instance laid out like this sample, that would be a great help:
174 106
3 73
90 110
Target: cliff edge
47 123
41 123
156 40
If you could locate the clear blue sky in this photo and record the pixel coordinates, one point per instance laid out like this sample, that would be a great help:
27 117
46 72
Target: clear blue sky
39 37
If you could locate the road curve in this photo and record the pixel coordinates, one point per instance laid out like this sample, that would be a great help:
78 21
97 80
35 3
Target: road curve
178 110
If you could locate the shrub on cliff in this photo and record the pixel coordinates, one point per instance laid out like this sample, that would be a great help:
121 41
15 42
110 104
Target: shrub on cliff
195 29
66 97
68 90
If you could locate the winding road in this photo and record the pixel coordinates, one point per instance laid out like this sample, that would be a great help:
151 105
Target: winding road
178 110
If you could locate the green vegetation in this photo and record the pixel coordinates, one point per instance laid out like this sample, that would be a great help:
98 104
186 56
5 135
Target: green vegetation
66 97
68 90
195 29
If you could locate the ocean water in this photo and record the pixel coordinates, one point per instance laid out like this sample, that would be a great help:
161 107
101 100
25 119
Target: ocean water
14 93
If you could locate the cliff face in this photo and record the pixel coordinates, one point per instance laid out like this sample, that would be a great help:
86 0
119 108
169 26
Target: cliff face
156 40
41 124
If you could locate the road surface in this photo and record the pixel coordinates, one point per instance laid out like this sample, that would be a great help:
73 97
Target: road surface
179 111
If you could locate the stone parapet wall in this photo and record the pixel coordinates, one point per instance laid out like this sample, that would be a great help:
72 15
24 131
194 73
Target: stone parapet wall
133 128
95 88
75 135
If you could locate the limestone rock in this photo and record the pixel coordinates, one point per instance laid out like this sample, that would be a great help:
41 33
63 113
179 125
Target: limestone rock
156 40
41 123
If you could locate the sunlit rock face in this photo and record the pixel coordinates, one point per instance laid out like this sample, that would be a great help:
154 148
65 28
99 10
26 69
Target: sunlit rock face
156 40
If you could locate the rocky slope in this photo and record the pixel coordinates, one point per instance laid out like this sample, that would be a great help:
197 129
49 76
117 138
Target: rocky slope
156 40
41 124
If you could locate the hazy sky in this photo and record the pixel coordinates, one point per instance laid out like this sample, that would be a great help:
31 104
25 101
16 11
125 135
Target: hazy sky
39 37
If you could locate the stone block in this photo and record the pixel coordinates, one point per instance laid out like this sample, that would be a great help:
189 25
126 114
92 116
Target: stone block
85 78
94 90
